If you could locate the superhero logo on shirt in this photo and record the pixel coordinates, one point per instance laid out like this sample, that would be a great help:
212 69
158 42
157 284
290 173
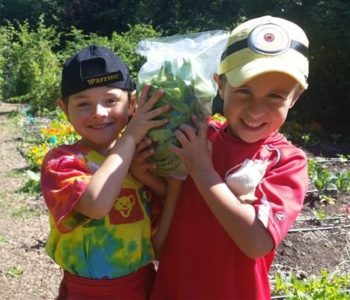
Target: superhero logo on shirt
126 209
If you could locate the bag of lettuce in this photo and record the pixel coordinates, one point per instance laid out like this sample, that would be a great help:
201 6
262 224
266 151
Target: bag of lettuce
183 67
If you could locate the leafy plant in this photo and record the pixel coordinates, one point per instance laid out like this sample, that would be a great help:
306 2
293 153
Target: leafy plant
343 158
32 69
321 177
325 199
2 239
319 214
326 286
123 44
342 180
14 271
32 185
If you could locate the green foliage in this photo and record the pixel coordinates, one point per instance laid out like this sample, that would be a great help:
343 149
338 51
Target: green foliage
321 177
32 185
2 239
14 271
324 179
326 286
123 44
76 40
110 22
28 10
5 42
342 181
319 214
31 69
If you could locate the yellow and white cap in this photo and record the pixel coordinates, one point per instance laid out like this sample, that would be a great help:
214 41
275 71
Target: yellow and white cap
265 44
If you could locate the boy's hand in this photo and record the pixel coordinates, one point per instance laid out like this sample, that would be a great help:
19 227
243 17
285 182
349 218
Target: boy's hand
144 117
140 167
194 150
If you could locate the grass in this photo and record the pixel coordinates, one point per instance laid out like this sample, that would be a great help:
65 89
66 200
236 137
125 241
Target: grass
25 212
15 271
2 240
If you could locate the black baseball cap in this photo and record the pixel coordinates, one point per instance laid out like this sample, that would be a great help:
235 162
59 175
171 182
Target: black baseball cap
94 66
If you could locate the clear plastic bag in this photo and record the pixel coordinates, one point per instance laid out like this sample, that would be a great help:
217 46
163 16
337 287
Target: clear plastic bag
183 67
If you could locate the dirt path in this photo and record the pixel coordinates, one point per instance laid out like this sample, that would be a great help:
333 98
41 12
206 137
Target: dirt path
26 272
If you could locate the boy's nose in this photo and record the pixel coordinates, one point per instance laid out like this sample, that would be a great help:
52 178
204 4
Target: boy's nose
256 108
100 110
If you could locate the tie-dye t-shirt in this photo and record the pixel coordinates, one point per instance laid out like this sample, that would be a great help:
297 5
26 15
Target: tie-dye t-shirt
111 247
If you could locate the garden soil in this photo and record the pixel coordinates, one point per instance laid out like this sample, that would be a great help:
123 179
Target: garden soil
27 273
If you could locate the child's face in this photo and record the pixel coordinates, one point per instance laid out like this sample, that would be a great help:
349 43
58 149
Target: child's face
260 106
98 115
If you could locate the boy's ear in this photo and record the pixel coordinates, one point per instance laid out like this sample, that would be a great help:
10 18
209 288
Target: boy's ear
132 104
220 84
63 106
297 95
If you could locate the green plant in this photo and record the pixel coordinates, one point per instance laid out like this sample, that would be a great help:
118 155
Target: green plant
2 239
32 69
325 199
319 214
32 185
5 42
323 178
326 286
306 138
320 176
14 271
342 180
308 134
123 44
343 158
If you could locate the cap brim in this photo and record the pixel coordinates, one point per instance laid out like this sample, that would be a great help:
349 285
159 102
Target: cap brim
239 76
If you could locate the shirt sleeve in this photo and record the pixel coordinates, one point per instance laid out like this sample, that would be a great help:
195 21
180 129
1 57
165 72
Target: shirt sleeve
281 193
64 177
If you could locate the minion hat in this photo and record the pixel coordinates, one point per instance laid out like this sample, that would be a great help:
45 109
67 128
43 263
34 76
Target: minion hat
265 44
94 66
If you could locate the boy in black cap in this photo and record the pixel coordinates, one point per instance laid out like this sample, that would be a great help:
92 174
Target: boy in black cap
99 213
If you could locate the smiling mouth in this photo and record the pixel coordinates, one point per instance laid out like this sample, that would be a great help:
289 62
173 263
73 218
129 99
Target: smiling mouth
100 126
252 125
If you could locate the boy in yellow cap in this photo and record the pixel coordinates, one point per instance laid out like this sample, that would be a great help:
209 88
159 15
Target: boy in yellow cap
247 183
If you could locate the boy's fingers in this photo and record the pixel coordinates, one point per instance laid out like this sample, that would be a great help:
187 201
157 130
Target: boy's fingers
143 95
143 144
154 99
148 153
188 131
175 150
157 123
158 111
182 136
202 126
